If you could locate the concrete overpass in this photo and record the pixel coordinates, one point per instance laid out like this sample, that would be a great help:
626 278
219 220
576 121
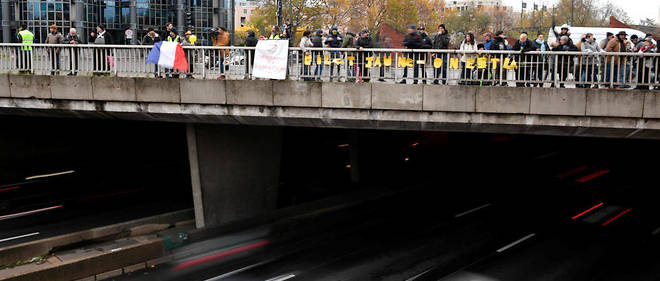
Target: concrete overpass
235 169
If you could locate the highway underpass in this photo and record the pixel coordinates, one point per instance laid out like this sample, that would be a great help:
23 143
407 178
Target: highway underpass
423 205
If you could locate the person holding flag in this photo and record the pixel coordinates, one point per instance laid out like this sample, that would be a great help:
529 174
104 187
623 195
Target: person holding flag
168 54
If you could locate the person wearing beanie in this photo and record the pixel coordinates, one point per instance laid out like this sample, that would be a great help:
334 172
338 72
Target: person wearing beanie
564 62
441 42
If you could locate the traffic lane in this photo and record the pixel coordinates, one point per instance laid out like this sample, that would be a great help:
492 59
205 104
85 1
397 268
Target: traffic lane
577 251
70 221
644 265
298 234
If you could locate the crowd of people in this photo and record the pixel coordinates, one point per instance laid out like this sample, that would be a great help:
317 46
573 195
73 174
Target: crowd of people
531 69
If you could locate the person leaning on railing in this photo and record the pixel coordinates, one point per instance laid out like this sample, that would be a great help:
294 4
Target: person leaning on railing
525 62
220 38
349 42
72 38
24 58
364 42
412 41
564 62
317 42
468 45
334 40
645 65
150 39
189 41
615 65
305 42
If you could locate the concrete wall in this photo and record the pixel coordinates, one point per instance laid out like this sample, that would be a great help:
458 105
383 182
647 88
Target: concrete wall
582 112
235 171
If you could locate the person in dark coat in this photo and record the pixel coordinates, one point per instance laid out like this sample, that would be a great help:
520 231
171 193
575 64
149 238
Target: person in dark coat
564 62
102 56
334 40
427 43
317 42
525 62
364 42
250 41
150 39
412 41
441 42
73 39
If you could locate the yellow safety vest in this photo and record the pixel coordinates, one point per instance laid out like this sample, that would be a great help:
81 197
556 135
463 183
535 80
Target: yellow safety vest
26 38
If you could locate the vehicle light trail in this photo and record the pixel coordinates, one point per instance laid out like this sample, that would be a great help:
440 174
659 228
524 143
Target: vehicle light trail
616 217
50 175
220 255
19 237
588 210
5 217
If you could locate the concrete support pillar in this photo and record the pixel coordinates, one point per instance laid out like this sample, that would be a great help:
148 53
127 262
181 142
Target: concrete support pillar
133 20
235 171
78 19
6 28
180 20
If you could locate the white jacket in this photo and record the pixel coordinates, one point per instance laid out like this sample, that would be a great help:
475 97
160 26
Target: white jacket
467 47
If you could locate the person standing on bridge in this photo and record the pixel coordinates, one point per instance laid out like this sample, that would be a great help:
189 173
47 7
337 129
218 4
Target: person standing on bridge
412 41
220 38
525 62
54 37
102 56
24 57
150 39
441 42
334 40
317 41
72 38
250 41
364 42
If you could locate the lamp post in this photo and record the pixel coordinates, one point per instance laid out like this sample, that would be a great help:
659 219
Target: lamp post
522 10
572 8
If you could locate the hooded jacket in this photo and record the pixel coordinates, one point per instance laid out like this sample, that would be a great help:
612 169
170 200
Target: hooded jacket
348 40
441 40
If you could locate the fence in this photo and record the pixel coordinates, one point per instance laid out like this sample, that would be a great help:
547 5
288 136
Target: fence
505 68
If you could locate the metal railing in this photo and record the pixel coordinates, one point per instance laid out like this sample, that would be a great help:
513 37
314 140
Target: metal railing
504 68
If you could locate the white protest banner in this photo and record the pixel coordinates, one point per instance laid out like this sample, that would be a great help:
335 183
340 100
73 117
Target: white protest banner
270 59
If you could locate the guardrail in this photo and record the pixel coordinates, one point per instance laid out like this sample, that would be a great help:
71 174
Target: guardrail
505 68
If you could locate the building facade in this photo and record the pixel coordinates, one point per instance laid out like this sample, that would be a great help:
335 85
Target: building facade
465 4
243 11
116 15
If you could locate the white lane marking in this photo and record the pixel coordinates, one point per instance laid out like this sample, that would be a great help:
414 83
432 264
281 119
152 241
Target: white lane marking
19 237
419 274
50 175
282 277
114 250
5 217
472 210
515 243
237 271
656 231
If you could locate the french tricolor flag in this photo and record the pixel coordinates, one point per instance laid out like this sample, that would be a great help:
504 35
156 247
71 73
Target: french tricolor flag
168 55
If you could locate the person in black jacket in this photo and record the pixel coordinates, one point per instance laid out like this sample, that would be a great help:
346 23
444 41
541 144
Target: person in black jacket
317 42
564 62
498 44
250 41
364 42
427 43
412 41
525 62
542 64
441 42
150 39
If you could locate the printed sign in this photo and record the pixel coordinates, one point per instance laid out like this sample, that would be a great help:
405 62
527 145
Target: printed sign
270 59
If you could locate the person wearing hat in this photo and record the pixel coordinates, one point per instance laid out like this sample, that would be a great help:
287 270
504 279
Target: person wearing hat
334 40
441 42
363 42
102 56
189 41
614 65
173 36
54 37
412 41
564 32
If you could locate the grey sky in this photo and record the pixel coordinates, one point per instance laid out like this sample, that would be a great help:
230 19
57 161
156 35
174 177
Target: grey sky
636 9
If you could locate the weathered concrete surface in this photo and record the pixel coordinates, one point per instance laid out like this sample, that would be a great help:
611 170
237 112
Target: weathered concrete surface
652 104
346 95
397 96
30 86
73 88
4 86
343 105
296 93
203 91
113 89
553 101
251 92
450 98
615 103
157 90
239 169
503 100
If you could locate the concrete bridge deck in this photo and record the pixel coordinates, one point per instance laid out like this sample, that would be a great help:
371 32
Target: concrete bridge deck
546 111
